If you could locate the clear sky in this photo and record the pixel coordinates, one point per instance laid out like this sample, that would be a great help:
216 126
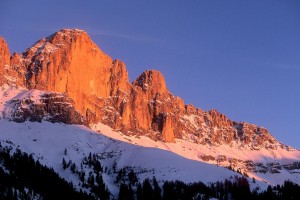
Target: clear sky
240 57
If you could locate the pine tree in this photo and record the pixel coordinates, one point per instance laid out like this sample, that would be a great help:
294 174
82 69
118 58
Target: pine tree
139 192
123 192
132 177
82 175
147 190
156 190
73 168
64 164
114 167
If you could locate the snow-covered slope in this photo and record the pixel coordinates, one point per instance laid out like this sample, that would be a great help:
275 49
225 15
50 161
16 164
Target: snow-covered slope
48 141
184 160
269 166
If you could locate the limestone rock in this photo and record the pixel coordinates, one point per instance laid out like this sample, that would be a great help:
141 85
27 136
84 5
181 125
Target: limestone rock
69 62
4 60
167 130
47 106
152 83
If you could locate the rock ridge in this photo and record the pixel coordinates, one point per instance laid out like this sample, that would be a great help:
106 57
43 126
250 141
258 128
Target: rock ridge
68 61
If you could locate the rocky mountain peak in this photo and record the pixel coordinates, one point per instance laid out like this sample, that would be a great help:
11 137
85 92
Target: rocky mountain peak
68 61
63 39
151 80
71 33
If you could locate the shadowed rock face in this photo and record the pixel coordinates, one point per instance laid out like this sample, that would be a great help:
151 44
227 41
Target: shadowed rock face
69 62
53 107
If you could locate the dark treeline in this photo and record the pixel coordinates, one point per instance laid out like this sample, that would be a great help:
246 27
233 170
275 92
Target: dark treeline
239 189
21 177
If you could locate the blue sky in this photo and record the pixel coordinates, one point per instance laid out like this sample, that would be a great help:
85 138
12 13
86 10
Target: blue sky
239 57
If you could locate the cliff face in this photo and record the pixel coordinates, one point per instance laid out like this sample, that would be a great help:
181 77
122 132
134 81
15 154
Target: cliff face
69 62
4 60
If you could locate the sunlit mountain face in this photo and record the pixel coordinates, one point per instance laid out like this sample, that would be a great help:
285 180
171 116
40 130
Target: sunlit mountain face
67 106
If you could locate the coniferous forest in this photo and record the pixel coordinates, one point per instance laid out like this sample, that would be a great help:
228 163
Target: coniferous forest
227 190
22 177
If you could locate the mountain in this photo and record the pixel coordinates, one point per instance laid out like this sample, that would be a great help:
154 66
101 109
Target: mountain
69 62
66 78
